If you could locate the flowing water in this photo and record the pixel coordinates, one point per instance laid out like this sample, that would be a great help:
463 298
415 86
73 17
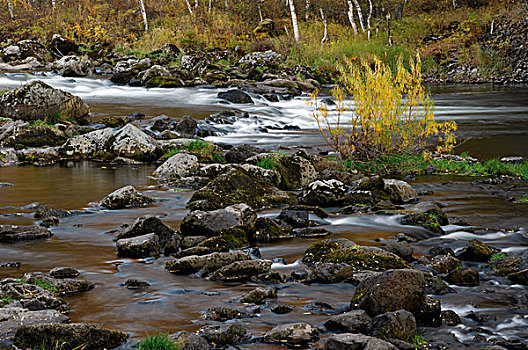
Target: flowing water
494 120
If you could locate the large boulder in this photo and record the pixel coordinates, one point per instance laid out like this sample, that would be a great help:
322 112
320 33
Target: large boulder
399 324
131 142
205 264
349 341
69 336
212 223
12 318
23 50
37 100
390 291
10 233
235 96
86 145
61 46
355 321
293 334
296 172
400 192
125 197
176 167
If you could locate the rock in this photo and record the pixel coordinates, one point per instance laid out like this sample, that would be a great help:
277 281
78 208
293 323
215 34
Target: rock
24 49
255 59
443 264
359 257
12 318
10 233
259 295
238 186
435 285
325 193
400 192
477 251
125 197
85 146
240 153
398 324
38 156
235 96
224 335
149 224
427 215
401 249
222 314
295 172
269 230
189 341
294 218
450 318
44 211
206 263
430 313
292 334
520 277
70 336
61 46
355 321
392 290
64 272
187 126
242 270
195 63
348 341
69 66
279 307
212 223
512 160
131 142
136 284
37 136
463 277
139 247
36 100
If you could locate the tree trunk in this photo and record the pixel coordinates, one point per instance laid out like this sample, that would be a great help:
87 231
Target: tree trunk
389 42
454 4
307 10
325 27
144 14
10 7
350 14
53 4
226 7
294 21
189 7
195 4
369 16
360 15
210 7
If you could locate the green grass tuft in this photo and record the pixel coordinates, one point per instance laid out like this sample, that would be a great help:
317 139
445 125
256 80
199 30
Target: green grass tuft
498 256
158 342
267 163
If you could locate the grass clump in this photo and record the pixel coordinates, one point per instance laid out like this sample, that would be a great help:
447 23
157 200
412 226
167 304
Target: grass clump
6 300
523 199
268 163
158 342
40 283
204 151
498 256
419 342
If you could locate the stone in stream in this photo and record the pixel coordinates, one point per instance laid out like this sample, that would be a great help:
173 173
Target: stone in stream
427 215
44 211
240 153
139 247
520 277
187 126
401 249
64 272
205 263
477 251
125 197
222 314
349 341
399 324
131 142
86 145
35 136
450 318
325 193
223 335
269 230
61 46
176 167
189 341
212 223
70 336
61 286
242 270
235 96
463 277
400 192
279 307
136 284
259 295
443 264
36 100
151 224
292 334
355 321
11 233
12 318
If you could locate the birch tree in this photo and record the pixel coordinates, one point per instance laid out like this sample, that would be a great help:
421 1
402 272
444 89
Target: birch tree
325 27
360 15
307 10
294 21
10 7
369 17
144 13
350 14
189 7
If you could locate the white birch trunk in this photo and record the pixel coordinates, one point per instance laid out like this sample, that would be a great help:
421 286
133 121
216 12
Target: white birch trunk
307 10
53 4
350 14
189 7
454 4
226 7
294 21
10 7
210 7
369 17
325 27
260 13
195 4
144 14
360 15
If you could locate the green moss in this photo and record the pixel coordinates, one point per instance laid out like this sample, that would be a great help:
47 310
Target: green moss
163 82
523 199
158 342
204 151
358 297
497 256
104 156
40 283
231 239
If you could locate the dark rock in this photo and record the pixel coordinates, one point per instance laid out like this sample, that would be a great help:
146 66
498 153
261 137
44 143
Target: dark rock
222 314
61 46
463 277
292 334
242 270
435 285
206 263
450 318
187 126
269 230
477 251
325 193
149 224
348 341
115 122
139 247
224 335
13 318
428 215
44 211
9 233
355 321
294 218
37 136
279 307
430 313
64 272
259 295
520 277
399 324
70 336
189 341
235 96
240 153
49 222
392 290
400 192
401 249
125 197
443 264
434 251
34 100
136 284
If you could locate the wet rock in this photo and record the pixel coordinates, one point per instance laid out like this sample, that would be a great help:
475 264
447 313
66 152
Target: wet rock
463 277
223 335
238 186
206 263
240 153
235 96
242 270
348 341
115 122
430 313
70 336
187 126
269 230
24 49
267 58
10 233
139 247
443 264
400 192
222 314
324 193
44 211
64 272
435 285
150 224
125 197
61 46
12 318
294 218
36 99
346 251
401 249
520 277
477 251
355 321
190 341
506 265
11 264
279 307
85 146
399 324
49 222
259 295
131 142
450 318
38 156
70 66
392 290
36 136
136 284
292 334
212 223
195 63
427 215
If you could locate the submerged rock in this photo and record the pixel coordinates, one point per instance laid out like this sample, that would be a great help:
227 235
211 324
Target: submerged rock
37 100
9 233
136 284
125 197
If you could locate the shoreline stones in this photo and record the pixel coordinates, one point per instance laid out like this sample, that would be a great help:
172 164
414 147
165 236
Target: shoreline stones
125 197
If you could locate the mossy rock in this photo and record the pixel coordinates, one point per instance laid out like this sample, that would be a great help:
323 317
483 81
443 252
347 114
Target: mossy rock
476 251
269 230
432 220
230 239
163 82
38 136
115 122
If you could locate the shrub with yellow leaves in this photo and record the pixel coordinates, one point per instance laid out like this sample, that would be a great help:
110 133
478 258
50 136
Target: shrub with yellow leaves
390 113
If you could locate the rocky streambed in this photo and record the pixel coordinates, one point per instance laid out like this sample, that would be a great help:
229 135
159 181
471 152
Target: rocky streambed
242 245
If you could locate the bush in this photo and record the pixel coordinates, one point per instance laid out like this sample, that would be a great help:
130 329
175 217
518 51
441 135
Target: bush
391 113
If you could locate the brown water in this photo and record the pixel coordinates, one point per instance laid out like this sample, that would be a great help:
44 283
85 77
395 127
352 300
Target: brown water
174 303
